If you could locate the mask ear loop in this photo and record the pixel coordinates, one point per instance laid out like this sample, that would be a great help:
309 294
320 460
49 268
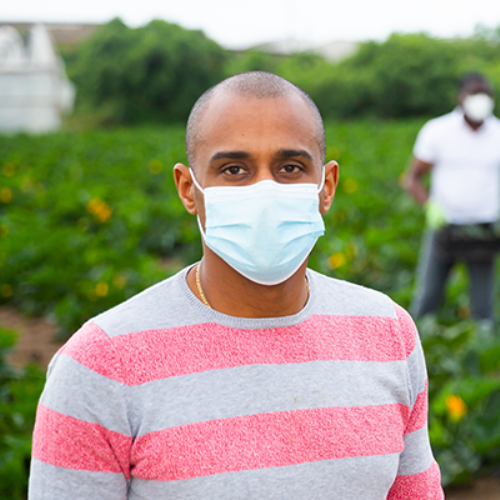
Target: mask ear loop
322 183
195 182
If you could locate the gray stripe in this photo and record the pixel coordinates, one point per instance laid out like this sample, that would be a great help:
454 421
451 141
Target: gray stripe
77 391
171 304
218 394
48 482
417 455
360 478
248 390
417 371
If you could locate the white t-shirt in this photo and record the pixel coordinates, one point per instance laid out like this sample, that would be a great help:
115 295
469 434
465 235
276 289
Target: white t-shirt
465 178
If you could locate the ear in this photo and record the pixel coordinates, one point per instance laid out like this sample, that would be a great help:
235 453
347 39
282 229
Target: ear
185 187
331 181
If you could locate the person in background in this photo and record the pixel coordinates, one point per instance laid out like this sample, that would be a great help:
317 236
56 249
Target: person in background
461 150
246 375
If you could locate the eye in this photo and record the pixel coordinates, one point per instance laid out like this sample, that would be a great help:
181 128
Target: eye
291 169
234 170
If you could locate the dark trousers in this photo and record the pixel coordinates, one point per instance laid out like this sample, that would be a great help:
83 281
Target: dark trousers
432 274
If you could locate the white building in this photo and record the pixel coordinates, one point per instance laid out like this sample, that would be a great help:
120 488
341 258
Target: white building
34 89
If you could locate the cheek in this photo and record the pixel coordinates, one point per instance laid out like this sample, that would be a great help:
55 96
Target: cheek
199 203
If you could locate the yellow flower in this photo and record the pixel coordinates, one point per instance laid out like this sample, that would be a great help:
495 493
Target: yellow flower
5 195
456 407
101 289
349 186
336 260
100 210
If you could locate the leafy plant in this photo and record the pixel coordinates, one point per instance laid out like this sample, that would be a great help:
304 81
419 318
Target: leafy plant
19 393
463 362
153 73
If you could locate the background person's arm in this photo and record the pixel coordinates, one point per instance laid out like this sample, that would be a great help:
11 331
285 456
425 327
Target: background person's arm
413 180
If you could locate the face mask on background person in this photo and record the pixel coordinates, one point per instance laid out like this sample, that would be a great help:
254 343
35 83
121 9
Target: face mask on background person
478 107
266 230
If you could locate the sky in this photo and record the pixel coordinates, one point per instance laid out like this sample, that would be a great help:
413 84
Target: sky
241 24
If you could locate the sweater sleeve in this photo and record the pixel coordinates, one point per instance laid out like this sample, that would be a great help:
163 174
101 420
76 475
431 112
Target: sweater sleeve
82 438
418 476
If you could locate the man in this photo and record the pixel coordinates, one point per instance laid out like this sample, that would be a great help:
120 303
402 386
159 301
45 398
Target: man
245 375
462 149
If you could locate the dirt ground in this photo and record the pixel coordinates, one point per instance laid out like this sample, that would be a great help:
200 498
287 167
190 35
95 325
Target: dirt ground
484 489
37 343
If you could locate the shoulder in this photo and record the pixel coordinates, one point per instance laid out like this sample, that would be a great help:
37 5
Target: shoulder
442 124
495 124
160 306
342 297
375 314
104 342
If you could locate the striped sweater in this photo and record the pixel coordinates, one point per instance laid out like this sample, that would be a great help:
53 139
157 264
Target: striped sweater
164 398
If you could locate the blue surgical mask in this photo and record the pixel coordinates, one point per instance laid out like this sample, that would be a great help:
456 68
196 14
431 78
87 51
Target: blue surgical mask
265 231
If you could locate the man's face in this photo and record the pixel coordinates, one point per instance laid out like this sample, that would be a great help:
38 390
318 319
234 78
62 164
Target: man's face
476 102
245 140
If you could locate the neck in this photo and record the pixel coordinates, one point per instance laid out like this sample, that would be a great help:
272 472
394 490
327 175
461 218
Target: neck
472 125
230 293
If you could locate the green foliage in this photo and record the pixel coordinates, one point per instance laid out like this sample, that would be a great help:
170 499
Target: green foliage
405 76
88 218
154 74
19 393
150 74
252 60
464 391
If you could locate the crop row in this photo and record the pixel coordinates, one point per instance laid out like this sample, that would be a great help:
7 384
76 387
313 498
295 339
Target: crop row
88 219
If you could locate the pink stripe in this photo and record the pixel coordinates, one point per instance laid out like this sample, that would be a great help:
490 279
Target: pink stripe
94 349
75 444
268 440
418 415
158 354
423 486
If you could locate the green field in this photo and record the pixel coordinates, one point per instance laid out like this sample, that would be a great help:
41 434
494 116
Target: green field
90 218
86 218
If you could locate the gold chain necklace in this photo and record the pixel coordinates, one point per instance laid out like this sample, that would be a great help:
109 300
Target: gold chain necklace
200 290
204 299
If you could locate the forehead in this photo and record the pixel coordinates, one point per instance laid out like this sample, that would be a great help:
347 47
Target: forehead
233 122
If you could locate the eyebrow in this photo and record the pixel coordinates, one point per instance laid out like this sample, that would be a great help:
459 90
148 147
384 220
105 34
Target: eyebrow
243 155
293 153
231 155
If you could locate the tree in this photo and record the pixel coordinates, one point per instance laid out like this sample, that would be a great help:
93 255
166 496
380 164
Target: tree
150 74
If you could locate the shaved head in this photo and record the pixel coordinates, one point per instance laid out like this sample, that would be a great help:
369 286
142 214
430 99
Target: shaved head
254 84
472 80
